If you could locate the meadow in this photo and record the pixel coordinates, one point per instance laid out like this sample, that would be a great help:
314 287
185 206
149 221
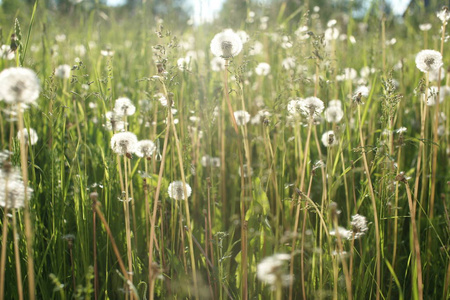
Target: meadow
288 156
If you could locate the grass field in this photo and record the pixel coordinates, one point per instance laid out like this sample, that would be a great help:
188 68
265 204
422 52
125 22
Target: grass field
291 157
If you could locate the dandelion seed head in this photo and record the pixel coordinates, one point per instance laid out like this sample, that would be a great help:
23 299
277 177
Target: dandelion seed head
124 143
124 107
19 85
273 269
217 64
444 15
247 170
145 148
334 114
63 71
262 69
12 189
242 117
29 135
359 225
226 44
428 60
6 52
425 27
311 107
343 233
329 139
176 190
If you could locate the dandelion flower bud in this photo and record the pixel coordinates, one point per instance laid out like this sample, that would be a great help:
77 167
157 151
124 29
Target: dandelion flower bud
124 107
428 60
145 148
226 44
242 117
124 143
29 135
329 139
311 107
19 85
176 190
63 71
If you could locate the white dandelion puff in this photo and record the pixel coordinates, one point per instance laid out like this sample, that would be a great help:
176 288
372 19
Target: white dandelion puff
428 60
226 44
329 139
145 148
29 135
6 52
63 71
217 64
311 107
334 114
359 226
242 117
262 69
19 85
444 15
124 143
273 270
425 27
176 190
124 107
12 190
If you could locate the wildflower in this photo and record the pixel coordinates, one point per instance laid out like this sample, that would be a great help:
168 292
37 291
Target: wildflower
272 270
359 224
12 190
124 143
311 107
366 71
19 85
29 135
63 71
262 69
124 107
334 114
217 64
444 15
145 148
242 117
176 190
6 52
329 139
425 27
226 44
428 60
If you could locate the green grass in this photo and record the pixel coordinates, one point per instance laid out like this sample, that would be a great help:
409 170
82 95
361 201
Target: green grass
73 159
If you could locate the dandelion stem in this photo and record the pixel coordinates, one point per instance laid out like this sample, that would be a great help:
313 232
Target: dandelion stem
26 211
17 256
374 207
418 264
4 246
